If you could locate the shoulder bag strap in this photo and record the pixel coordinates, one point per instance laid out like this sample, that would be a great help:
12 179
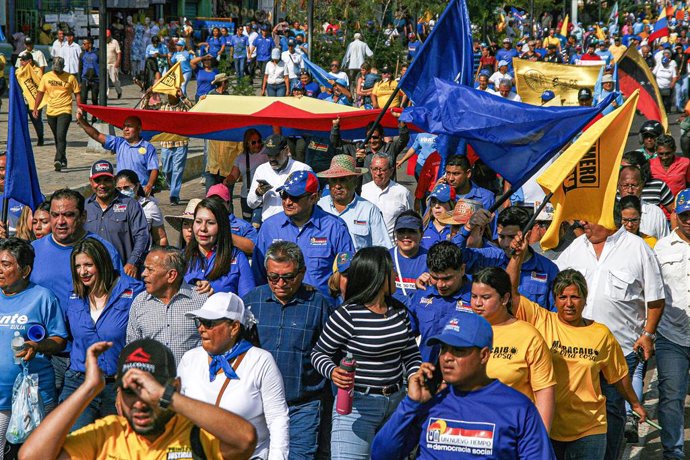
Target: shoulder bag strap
235 365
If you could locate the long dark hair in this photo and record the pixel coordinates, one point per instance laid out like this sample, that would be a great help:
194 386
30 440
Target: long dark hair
498 279
224 247
101 259
369 269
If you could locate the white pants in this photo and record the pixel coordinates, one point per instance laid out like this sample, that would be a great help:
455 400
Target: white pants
113 75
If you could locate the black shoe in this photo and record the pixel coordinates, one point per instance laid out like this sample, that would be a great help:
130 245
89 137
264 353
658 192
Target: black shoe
40 143
58 166
631 434
119 95
64 163
174 201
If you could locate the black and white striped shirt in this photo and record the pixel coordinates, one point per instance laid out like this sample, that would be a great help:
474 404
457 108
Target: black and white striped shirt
382 345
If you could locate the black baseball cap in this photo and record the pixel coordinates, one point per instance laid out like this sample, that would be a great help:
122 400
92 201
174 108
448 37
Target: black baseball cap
28 41
274 145
584 94
102 168
147 355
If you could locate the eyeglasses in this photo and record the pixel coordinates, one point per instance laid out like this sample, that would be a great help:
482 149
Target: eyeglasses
629 186
287 278
285 195
335 65
209 323
379 169
375 137
631 221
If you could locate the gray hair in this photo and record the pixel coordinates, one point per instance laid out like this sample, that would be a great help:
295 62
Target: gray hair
382 156
285 251
173 260
506 82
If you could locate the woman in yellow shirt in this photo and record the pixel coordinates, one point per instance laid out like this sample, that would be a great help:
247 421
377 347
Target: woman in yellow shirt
57 87
582 350
520 357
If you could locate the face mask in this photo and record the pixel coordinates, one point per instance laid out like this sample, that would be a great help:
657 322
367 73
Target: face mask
128 192
665 60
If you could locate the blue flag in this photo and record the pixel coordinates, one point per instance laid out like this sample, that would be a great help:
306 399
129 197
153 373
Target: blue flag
21 178
512 138
317 73
446 54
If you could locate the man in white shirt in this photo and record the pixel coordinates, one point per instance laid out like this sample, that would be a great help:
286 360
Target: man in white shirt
71 52
271 175
293 63
505 91
673 337
113 60
389 196
626 293
653 221
37 55
252 35
355 55
56 48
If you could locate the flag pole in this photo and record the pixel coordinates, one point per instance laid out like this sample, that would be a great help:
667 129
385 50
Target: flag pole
533 219
380 115
5 206
500 200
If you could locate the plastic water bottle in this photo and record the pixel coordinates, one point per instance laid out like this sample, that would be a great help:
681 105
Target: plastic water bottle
17 346
344 401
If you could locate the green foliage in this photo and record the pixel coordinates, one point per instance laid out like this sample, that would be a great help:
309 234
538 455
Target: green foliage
242 88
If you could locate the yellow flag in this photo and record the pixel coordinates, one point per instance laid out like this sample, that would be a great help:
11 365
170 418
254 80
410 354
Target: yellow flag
584 179
170 82
564 27
600 33
28 79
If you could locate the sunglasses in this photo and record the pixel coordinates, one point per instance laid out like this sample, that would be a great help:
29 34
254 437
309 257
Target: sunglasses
285 195
256 143
335 65
287 278
209 323
375 137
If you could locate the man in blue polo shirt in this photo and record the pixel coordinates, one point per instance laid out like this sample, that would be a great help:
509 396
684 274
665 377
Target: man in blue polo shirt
117 218
291 316
507 53
131 151
264 44
319 235
469 415
448 291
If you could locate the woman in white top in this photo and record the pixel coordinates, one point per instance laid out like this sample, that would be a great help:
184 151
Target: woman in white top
666 73
127 182
276 82
227 370
244 167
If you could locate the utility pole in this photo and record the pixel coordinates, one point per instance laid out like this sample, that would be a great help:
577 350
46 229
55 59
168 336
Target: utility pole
310 26
102 56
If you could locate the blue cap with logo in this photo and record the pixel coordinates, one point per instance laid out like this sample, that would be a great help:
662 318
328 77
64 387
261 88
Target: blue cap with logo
443 193
299 183
683 201
465 330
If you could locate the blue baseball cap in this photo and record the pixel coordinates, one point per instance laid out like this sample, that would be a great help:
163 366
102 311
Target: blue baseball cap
503 63
181 42
443 193
300 183
547 95
407 222
683 201
465 330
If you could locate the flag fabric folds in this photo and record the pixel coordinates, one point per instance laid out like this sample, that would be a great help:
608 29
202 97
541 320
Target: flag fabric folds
21 178
613 17
512 138
171 82
660 30
564 27
446 54
28 81
317 73
584 178
634 73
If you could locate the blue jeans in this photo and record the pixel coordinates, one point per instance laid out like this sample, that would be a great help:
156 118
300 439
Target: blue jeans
275 89
615 412
681 93
102 405
187 78
592 447
240 64
173 160
638 384
673 364
305 419
352 434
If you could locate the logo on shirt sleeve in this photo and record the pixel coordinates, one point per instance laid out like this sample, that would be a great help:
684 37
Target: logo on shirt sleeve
127 294
475 438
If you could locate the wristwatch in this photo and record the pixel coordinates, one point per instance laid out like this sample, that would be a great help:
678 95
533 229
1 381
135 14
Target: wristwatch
650 335
166 399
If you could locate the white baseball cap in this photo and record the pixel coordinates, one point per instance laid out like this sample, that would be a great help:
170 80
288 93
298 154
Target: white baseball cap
546 214
224 305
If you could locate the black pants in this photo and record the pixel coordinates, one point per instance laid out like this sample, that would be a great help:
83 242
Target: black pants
59 125
87 86
37 122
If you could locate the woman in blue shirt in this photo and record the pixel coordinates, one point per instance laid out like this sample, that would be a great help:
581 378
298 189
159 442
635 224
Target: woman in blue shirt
409 257
215 44
204 74
184 57
213 263
97 310
441 201
23 305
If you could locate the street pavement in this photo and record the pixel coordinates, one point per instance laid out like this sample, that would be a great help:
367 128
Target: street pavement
76 175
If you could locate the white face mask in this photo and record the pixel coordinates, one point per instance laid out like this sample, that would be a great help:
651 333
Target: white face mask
128 192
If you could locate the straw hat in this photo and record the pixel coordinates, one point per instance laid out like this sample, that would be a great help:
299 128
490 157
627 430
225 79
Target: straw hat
342 166
188 214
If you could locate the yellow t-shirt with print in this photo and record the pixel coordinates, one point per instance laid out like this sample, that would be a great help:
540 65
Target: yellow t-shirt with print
111 438
521 359
383 90
579 355
58 91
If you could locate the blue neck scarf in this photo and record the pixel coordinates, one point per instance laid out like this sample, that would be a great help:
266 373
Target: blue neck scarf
223 361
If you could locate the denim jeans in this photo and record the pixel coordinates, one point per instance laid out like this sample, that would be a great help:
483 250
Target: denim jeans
615 412
275 89
37 122
102 405
173 160
187 78
638 384
240 64
59 125
681 93
305 419
252 216
352 434
673 364
592 447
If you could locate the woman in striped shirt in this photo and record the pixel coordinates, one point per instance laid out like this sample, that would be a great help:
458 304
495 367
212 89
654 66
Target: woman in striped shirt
375 329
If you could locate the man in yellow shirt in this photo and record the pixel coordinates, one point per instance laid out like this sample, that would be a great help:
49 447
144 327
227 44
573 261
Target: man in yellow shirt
384 89
58 87
157 422
552 40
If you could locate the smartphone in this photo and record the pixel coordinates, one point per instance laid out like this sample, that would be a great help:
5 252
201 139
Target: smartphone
262 182
640 354
435 381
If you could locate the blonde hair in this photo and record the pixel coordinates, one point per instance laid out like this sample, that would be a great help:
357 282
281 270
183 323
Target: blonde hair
24 227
